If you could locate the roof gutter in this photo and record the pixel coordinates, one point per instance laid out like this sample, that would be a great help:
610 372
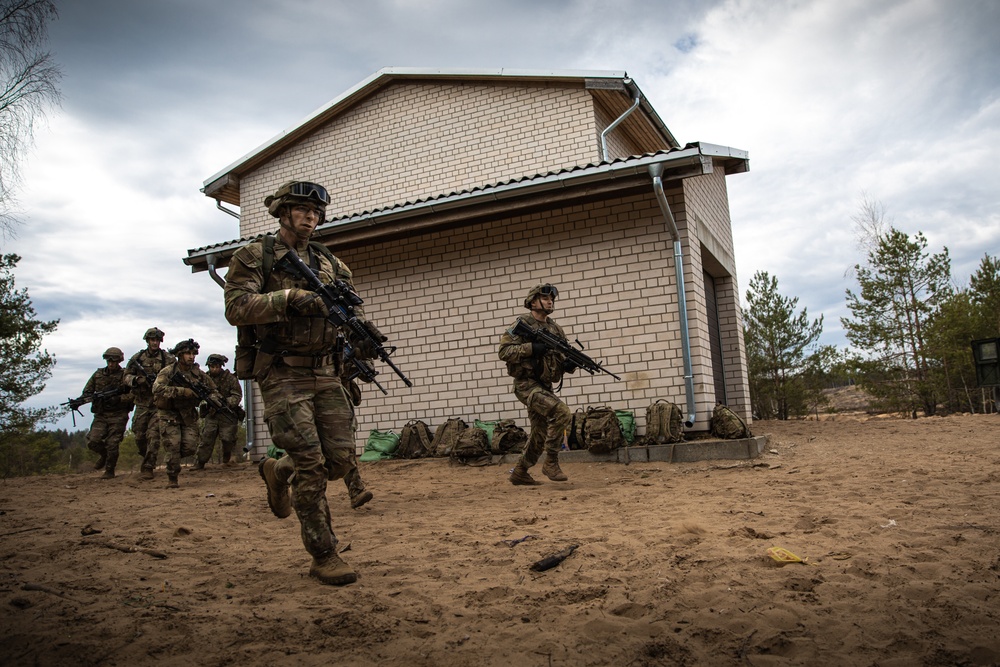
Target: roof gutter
656 171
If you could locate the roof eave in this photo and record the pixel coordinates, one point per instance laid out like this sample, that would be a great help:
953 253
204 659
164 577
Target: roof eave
693 160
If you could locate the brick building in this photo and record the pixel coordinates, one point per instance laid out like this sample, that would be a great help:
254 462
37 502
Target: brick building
453 192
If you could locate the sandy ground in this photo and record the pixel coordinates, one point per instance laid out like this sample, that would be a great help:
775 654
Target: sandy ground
898 520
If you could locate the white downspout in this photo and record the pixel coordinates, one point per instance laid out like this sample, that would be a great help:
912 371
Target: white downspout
656 171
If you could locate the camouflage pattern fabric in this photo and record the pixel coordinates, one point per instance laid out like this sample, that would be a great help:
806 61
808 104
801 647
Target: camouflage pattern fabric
177 416
144 424
306 407
218 425
533 379
105 436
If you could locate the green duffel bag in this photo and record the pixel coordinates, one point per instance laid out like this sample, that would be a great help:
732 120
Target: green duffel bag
380 445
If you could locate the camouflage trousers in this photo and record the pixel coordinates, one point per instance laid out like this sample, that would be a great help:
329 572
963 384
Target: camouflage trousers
217 427
144 427
309 415
179 438
106 435
550 419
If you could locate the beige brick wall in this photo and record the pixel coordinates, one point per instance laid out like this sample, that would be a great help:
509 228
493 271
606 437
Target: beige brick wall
707 215
421 139
445 298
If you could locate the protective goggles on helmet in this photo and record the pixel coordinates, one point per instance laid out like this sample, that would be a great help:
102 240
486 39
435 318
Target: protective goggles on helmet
549 290
309 191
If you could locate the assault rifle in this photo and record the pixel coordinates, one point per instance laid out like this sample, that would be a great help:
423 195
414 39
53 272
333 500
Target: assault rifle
75 403
137 365
360 368
203 394
552 342
340 301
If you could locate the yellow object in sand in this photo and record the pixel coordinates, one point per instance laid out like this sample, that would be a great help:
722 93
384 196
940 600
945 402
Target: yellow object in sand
783 556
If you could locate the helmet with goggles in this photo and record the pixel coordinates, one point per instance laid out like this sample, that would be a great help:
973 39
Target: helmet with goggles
540 290
186 345
297 192
114 354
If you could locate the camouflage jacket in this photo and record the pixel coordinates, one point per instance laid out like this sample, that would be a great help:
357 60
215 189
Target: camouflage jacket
250 302
521 365
228 387
102 380
167 394
153 363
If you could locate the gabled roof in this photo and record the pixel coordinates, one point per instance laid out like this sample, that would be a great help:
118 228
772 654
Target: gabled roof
504 198
613 88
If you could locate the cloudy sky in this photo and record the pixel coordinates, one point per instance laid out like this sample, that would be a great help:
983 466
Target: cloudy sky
832 99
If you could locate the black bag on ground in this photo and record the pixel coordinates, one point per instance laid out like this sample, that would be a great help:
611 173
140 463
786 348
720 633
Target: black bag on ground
727 425
415 441
446 436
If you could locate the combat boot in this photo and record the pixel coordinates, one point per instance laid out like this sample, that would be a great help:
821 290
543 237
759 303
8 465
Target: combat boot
519 476
360 498
101 461
551 468
198 465
331 570
145 473
172 483
277 491
109 473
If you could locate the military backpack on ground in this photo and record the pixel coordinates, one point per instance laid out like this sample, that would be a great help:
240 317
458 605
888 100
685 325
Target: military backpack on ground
472 448
727 425
508 438
600 431
574 438
415 441
446 436
663 423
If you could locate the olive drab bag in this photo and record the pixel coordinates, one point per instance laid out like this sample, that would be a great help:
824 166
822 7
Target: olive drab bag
727 425
415 441
472 448
574 438
508 438
663 422
446 436
602 432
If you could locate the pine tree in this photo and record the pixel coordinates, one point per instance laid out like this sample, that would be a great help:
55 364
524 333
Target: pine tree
778 343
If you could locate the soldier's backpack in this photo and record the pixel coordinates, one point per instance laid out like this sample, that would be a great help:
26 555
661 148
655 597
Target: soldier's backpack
575 436
727 425
602 432
508 437
446 436
663 423
415 441
472 448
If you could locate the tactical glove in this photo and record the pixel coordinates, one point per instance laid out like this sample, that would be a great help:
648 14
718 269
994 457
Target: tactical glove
184 392
537 349
306 303
366 348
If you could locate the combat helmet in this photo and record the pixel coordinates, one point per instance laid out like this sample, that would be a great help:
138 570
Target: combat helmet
153 332
220 359
540 290
297 192
114 354
188 344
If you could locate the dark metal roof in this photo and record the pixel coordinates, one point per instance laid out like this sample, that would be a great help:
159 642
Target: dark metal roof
691 160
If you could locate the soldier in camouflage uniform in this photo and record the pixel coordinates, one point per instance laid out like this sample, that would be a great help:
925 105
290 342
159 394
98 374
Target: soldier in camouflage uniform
217 424
140 373
177 406
110 414
297 366
535 370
